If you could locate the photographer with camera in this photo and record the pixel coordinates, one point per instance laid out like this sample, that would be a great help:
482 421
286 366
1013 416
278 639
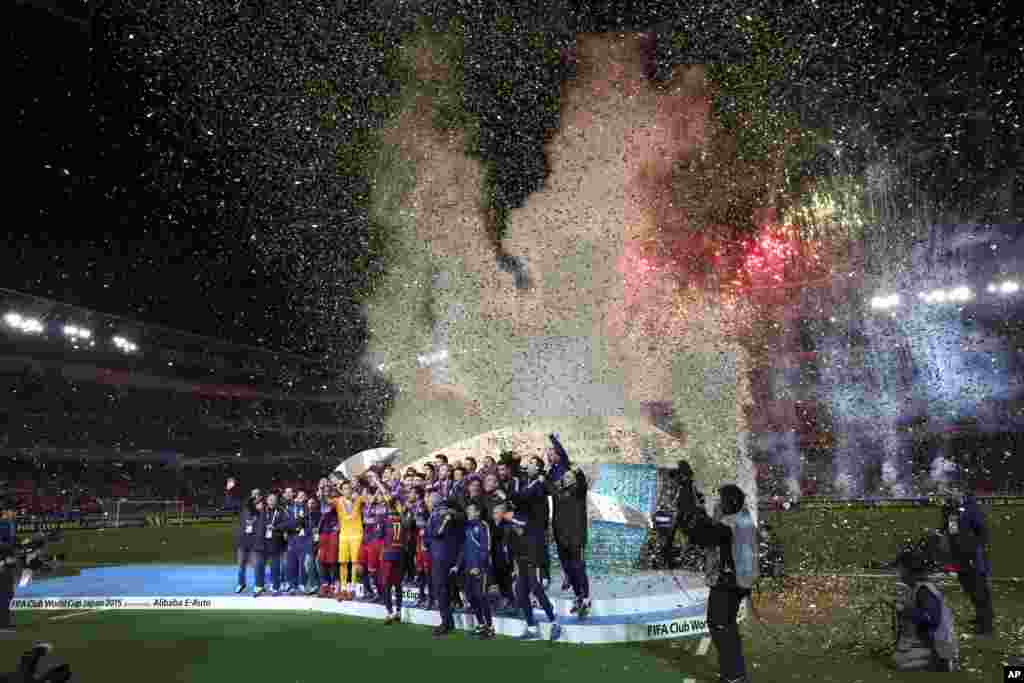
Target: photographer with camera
29 668
730 540
926 637
963 523
18 561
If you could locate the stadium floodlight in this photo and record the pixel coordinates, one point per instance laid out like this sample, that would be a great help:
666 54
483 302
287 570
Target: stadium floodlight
1009 287
23 324
882 303
992 289
961 294
125 345
75 333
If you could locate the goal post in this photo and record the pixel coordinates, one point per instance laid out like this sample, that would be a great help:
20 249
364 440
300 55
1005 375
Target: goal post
131 512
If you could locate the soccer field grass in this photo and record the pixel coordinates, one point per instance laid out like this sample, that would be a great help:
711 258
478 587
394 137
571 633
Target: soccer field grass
820 629
296 648
834 645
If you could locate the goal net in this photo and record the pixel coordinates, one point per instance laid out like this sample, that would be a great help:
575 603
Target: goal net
129 512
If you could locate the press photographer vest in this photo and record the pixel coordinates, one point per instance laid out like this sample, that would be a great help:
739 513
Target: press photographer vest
915 652
740 566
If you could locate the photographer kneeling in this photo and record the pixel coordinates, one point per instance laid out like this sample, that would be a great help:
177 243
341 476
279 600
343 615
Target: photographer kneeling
730 539
926 640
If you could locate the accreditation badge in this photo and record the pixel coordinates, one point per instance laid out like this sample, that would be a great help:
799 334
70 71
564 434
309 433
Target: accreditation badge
302 532
248 528
954 524
270 533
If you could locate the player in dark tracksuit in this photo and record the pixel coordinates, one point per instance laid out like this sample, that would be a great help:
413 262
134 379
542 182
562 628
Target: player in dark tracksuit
442 540
10 571
300 545
570 526
310 559
475 561
250 543
964 522
523 548
532 500
272 545
492 497
558 465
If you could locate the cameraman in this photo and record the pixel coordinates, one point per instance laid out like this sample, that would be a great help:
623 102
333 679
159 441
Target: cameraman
964 524
15 558
10 567
730 540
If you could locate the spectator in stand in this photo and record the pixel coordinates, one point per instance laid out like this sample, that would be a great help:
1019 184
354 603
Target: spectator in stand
470 465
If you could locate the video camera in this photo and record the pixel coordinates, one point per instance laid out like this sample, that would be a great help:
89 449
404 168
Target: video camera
30 667
28 551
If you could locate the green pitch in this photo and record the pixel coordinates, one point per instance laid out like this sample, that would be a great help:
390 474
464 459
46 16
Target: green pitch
844 645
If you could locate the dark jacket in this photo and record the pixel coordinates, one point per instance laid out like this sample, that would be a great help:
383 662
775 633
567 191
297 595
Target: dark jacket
442 539
925 612
277 522
476 548
532 501
490 501
564 465
250 529
570 513
232 501
968 534
8 532
701 530
520 543
302 526
410 526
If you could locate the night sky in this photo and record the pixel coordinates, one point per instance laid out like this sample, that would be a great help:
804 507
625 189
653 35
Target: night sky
168 167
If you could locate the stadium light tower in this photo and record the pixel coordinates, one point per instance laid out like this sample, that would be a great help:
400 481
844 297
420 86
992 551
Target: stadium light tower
125 345
23 324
